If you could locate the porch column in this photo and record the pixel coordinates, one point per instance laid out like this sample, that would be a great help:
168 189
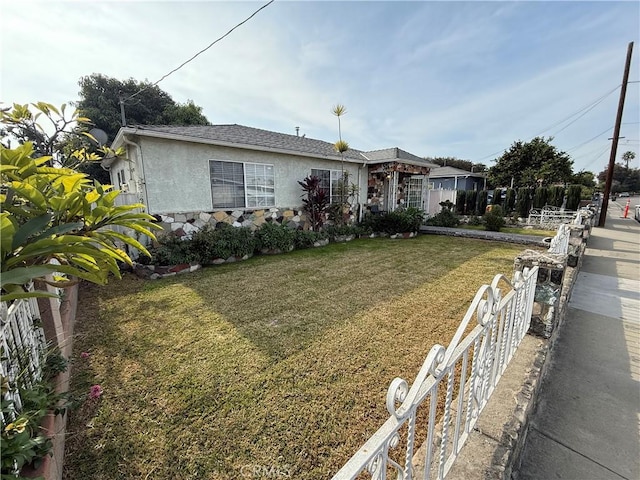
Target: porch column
394 190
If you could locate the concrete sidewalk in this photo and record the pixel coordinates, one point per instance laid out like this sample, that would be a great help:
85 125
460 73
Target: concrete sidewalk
586 425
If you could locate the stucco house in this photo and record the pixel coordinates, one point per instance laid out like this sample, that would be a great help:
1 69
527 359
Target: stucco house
194 175
451 178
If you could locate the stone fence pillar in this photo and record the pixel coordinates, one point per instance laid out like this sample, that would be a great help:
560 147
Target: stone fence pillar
546 307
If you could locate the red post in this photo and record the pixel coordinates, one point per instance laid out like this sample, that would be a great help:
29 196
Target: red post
626 208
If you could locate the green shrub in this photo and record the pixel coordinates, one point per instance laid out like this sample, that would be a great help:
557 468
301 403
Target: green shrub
333 231
540 197
494 219
475 220
523 202
574 194
461 198
556 196
171 250
444 219
510 200
398 221
306 238
273 236
223 242
483 200
497 197
472 202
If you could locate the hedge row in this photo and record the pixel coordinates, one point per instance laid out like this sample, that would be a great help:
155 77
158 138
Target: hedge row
225 241
520 201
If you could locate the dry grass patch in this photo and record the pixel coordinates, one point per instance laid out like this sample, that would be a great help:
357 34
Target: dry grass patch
281 362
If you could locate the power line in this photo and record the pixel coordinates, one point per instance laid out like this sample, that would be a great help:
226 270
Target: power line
584 113
201 51
590 140
599 135
601 152
588 108
584 110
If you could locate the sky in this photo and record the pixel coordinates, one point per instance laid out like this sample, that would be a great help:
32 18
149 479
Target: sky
459 79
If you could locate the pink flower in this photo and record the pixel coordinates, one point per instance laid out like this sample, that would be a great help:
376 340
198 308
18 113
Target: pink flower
84 355
95 392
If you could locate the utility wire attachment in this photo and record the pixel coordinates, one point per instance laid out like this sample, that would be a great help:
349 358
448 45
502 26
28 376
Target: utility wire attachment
199 53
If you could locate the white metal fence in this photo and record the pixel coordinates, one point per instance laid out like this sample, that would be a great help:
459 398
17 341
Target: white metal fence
560 242
431 421
23 346
550 217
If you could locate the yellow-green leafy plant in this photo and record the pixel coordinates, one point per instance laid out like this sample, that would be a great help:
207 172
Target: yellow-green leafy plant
58 220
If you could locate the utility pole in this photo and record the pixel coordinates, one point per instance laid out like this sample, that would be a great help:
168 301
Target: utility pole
616 135
122 116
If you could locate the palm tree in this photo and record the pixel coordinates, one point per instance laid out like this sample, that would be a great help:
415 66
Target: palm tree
626 157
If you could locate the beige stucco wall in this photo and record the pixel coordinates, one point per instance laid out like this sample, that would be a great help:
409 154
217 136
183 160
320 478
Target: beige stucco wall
177 173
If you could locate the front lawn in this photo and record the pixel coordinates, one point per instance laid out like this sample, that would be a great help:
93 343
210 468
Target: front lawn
516 230
277 364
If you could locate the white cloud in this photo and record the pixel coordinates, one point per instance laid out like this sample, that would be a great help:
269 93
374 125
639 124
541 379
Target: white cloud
434 78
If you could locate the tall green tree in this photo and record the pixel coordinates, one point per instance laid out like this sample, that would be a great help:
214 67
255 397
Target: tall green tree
624 179
530 164
587 179
100 100
627 157
64 138
47 127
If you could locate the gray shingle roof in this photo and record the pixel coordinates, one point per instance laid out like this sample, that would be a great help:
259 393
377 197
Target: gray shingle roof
242 135
256 137
396 154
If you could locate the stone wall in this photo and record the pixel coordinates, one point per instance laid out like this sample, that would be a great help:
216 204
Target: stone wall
507 461
184 223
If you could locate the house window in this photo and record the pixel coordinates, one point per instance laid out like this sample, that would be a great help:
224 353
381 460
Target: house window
329 182
414 192
241 185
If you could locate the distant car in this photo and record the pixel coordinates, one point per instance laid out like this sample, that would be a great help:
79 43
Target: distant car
624 194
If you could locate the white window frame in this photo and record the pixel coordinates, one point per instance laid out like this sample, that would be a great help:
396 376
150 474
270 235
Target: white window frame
334 177
412 188
264 195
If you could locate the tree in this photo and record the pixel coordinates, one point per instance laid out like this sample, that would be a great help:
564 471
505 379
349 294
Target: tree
100 100
627 157
624 179
67 140
531 163
22 122
587 179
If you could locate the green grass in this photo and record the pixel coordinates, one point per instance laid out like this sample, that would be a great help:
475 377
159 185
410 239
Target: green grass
278 362
516 230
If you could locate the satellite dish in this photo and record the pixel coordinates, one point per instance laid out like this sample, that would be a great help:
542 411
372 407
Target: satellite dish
99 135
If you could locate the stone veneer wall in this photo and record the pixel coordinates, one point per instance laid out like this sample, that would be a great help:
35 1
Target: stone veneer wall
182 223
